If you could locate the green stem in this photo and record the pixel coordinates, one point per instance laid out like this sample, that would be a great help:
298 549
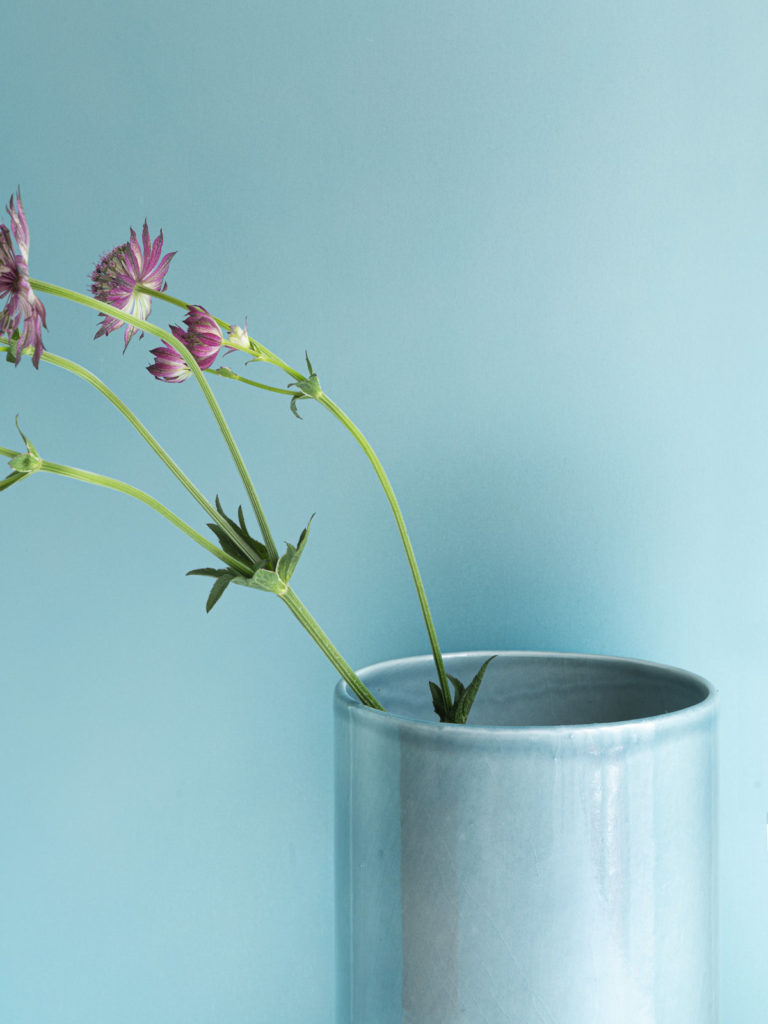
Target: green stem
362 440
341 416
299 610
119 485
224 371
144 325
265 353
101 387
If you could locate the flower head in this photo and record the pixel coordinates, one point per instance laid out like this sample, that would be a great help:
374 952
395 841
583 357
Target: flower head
23 315
202 338
238 337
118 274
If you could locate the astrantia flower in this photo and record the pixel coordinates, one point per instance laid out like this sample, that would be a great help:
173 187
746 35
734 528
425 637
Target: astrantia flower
202 338
23 313
169 365
119 272
238 336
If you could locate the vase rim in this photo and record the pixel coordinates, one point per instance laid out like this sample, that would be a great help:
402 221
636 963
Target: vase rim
691 712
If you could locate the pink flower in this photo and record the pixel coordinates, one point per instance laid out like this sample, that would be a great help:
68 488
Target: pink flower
169 365
118 273
23 314
202 338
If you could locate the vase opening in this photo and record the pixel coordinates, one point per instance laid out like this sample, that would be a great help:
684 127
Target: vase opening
544 690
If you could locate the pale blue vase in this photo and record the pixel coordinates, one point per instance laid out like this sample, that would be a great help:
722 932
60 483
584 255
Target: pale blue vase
552 862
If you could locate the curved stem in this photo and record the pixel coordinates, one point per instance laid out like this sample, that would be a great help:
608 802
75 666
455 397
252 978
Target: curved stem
299 610
224 371
166 336
134 492
361 439
266 354
101 387
341 416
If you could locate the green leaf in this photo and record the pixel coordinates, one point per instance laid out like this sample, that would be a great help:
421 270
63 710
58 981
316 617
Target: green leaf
458 688
26 462
464 704
228 545
437 702
218 588
205 572
287 563
266 579
11 479
30 447
309 386
241 530
257 546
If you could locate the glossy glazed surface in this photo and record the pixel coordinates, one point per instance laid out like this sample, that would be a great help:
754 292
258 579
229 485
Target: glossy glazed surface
553 861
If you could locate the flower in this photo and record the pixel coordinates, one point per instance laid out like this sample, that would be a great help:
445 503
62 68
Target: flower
24 313
238 337
169 364
118 273
202 338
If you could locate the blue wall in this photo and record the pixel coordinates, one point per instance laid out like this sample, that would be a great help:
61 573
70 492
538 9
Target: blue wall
525 246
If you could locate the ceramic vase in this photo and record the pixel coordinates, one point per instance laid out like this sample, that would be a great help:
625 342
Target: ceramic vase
551 862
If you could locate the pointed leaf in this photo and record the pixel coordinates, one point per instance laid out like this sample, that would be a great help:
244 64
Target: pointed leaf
458 688
226 541
437 702
304 535
257 546
218 589
468 698
206 572
287 563
11 479
25 439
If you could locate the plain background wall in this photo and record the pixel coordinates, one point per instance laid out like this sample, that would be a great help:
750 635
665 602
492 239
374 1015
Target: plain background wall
524 244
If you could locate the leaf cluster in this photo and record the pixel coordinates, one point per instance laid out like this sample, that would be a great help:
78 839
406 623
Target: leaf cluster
263 575
223 577
306 387
464 697
23 463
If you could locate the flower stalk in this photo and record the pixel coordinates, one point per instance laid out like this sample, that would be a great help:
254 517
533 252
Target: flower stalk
169 339
80 371
290 599
316 392
124 283
88 477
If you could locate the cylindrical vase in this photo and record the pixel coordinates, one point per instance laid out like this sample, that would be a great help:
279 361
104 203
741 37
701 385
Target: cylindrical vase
552 861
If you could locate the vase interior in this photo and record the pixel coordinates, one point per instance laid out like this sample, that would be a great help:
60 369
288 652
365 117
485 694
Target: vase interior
547 690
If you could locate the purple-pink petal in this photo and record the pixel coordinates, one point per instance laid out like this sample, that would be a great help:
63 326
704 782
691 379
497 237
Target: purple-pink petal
115 278
169 365
202 339
19 225
23 313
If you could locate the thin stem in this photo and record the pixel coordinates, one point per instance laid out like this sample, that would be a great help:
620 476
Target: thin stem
341 416
101 387
299 610
361 439
144 325
224 371
266 355
88 477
